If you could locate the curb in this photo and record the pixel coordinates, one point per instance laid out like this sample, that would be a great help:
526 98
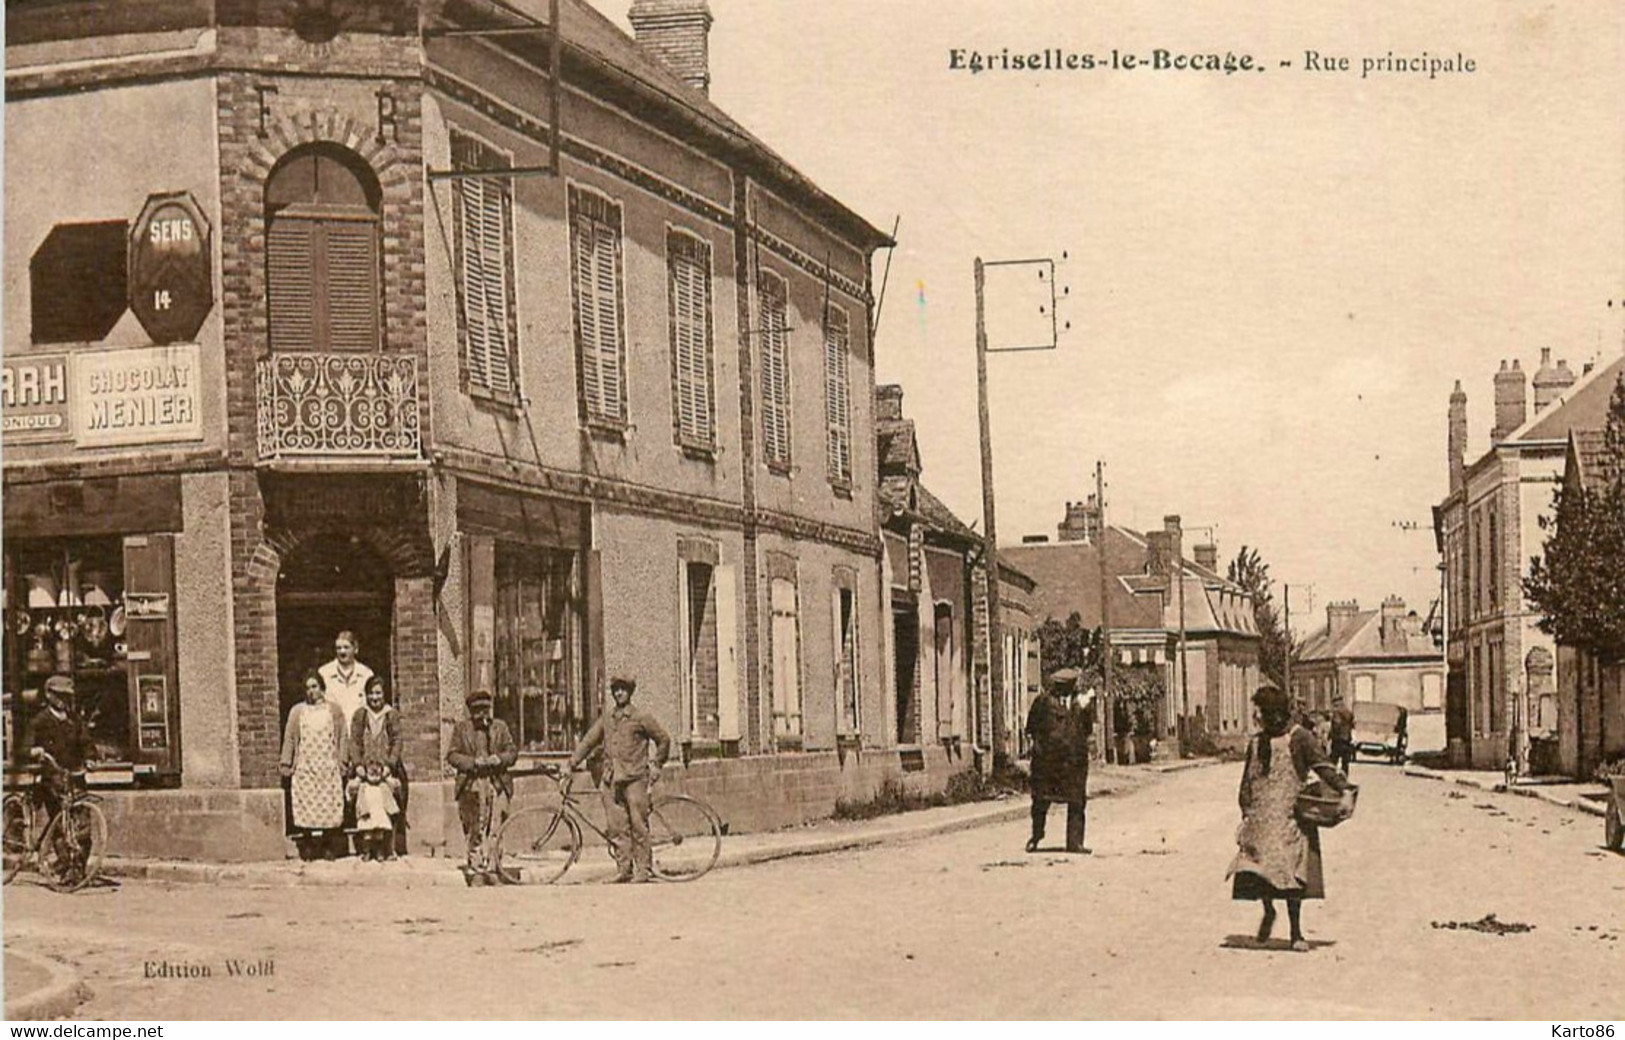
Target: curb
1577 804
586 871
56 999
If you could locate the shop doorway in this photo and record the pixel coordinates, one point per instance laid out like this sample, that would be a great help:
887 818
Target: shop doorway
328 584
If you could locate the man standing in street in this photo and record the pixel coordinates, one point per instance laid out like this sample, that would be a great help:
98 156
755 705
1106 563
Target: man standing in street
1342 737
1059 725
482 751
625 733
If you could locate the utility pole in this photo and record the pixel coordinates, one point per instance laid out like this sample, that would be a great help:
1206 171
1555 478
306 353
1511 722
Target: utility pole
990 535
1286 667
1184 671
1107 695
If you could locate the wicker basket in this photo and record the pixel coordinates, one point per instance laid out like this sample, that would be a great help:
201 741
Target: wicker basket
1320 806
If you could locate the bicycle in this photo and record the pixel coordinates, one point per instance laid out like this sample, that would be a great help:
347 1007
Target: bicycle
539 843
68 849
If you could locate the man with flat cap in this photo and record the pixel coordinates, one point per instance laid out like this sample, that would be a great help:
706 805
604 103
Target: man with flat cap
1059 724
58 741
482 751
625 733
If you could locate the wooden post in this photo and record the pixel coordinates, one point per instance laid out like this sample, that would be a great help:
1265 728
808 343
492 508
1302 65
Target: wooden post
995 635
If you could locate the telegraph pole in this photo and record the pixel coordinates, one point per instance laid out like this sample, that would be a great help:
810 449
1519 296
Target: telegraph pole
990 535
1107 695
1184 671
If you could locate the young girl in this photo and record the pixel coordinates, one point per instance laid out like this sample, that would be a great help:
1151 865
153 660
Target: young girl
375 807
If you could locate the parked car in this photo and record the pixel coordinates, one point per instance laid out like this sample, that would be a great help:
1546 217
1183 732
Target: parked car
1379 729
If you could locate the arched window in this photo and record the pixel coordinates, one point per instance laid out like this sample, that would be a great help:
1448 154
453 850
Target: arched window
321 251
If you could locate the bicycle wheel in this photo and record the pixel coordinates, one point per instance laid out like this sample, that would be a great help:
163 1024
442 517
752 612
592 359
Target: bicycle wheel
70 853
536 846
685 835
16 834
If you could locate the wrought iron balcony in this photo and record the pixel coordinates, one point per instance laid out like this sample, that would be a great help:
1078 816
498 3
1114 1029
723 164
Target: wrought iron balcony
337 406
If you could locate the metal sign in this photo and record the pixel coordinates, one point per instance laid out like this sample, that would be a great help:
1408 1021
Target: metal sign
150 395
171 268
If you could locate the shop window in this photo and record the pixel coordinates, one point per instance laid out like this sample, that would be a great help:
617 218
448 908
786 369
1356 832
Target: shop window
78 282
100 610
536 680
688 266
483 215
774 334
838 396
322 252
595 244
786 646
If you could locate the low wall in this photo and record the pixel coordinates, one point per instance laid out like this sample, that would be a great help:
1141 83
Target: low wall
760 793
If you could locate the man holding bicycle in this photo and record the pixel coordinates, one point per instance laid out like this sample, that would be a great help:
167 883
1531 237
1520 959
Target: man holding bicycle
482 751
58 741
625 733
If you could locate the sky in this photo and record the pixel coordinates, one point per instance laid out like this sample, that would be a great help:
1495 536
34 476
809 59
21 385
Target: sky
1274 277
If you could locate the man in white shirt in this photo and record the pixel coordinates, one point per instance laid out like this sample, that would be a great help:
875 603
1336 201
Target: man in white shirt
346 677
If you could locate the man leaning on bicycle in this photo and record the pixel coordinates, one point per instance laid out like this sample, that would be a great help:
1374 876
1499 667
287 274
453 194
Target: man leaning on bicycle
58 741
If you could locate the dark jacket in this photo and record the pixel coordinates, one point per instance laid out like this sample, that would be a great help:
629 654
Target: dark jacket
624 734
1060 736
364 747
469 742
64 739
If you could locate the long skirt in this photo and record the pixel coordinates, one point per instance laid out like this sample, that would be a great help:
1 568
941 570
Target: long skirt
1252 886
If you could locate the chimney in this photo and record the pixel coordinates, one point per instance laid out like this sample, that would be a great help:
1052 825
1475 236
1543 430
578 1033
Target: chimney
1393 620
677 33
1159 561
1458 439
1206 556
1551 381
1511 401
888 402
1082 523
1340 616
1176 539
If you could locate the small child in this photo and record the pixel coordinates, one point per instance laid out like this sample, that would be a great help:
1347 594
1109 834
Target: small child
373 791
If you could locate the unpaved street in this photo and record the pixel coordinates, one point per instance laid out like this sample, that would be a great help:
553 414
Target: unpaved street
964 925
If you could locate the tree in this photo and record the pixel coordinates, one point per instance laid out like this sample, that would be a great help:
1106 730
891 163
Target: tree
1578 581
1250 571
1136 689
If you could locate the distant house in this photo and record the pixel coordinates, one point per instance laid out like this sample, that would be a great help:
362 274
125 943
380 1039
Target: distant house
1384 656
1498 663
1589 703
936 589
1147 613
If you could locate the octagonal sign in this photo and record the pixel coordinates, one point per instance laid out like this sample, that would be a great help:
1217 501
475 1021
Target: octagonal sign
171 268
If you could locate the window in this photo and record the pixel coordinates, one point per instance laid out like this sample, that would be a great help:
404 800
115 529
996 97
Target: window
688 267
595 242
482 214
773 298
838 396
322 253
844 613
1494 575
700 665
536 652
786 637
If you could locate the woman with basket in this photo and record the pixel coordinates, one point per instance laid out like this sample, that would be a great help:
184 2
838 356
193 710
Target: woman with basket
1278 843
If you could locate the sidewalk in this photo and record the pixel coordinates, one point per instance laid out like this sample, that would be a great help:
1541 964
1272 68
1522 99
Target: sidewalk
595 865
1567 795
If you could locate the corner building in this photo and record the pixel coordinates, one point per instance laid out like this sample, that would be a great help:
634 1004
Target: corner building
517 428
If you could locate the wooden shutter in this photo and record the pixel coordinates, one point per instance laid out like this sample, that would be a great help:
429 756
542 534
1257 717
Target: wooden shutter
351 284
149 603
837 395
290 265
483 208
596 234
689 270
775 371
727 654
